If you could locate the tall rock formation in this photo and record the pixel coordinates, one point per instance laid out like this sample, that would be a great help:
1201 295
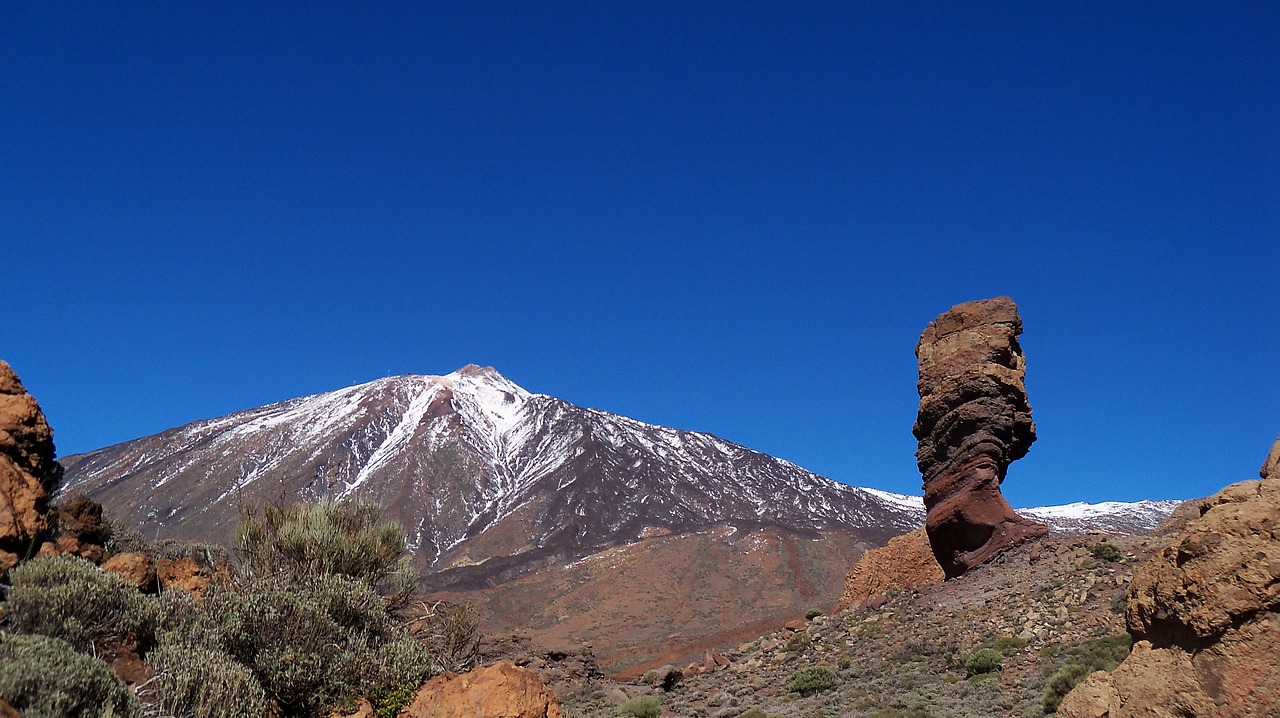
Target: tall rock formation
27 469
974 420
1206 617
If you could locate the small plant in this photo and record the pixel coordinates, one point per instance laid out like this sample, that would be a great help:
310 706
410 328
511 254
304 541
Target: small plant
1008 645
754 713
45 677
1100 654
641 707
812 614
798 642
982 661
844 663
388 702
1104 551
811 680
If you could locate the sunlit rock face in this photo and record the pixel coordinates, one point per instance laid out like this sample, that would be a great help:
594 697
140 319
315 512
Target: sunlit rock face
974 420
27 468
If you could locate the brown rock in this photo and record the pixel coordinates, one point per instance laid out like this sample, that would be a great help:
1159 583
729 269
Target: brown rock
82 517
136 568
48 548
974 420
502 690
906 561
27 466
184 574
796 625
8 711
1206 611
1271 467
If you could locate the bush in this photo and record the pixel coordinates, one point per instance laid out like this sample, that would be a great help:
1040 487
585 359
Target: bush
641 707
812 614
388 702
201 682
1100 654
1108 552
1066 678
45 677
982 661
449 631
308 645
798 642
68 598
327 538
811 680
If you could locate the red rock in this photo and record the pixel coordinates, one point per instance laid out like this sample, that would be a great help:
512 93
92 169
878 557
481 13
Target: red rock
796 625
136 568
48 548
184 574
8 711
1271 467
502 690
693 669
974 420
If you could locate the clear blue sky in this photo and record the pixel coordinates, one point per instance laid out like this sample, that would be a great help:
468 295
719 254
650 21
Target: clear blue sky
734 218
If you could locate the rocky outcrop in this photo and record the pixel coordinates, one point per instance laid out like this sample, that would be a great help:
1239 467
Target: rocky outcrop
565 669
974 420
27 469
503 690
135 568
906 561
1206 615
1271 467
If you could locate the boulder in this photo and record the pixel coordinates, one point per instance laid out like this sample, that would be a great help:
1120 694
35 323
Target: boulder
503 690
905 562
135 568
974 420
1271 467
1206 615
184 574
82 517
8 711
27 466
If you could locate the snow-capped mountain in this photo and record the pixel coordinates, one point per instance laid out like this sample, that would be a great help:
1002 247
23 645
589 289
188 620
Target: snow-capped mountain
480 471
474 467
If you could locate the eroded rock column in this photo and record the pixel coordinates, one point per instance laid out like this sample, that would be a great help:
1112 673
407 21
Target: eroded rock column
974 420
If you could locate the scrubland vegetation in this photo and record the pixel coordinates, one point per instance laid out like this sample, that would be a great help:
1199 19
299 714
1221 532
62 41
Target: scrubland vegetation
315 608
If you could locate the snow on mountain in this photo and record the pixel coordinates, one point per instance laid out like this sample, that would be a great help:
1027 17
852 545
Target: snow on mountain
479 470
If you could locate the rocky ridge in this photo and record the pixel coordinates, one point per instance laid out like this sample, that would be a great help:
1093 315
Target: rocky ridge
974 420
1205 612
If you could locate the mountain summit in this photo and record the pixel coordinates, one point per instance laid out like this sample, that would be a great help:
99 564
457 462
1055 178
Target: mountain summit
478 470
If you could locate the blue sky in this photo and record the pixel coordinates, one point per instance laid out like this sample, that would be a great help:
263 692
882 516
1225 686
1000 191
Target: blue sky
735 218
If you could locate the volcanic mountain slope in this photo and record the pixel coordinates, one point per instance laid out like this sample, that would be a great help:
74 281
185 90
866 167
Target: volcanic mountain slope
477 469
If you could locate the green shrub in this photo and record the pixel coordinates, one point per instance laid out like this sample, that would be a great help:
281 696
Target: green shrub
1100 654
1066 678
45 677
982 661
201 682
309 645
327 538
812 614
798 642
1008 645
1104 551
811 680
641 707
388 702
69 598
